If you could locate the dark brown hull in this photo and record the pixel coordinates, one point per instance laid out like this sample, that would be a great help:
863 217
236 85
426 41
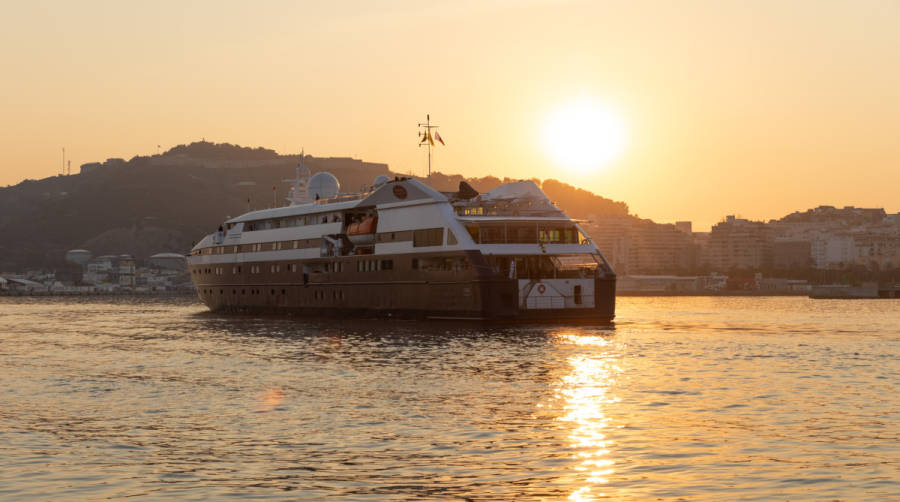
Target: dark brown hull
471 294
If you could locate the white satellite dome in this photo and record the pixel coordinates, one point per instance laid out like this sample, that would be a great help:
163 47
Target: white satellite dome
381 180
323 186
79 256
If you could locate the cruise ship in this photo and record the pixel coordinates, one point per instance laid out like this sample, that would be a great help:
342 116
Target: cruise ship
402 249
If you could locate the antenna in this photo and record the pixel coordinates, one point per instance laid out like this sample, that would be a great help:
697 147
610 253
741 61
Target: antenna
427 140
299 191
69 168
64 161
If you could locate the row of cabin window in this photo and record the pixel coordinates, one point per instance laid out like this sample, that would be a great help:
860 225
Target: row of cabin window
260 246
335 294
292 221
524 234
374 265
319 294
447 264
432 237
272 246
509 209
451 264
421 238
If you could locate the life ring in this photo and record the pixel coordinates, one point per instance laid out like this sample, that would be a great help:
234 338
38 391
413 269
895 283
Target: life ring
541 288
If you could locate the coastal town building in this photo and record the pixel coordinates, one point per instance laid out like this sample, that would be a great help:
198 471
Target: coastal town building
636 246
833 250
612 235
737 243
789 254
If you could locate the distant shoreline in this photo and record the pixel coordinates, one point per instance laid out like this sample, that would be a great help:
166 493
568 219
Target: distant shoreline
695 293
98 293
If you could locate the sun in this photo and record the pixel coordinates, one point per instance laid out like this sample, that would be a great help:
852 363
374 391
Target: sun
584 135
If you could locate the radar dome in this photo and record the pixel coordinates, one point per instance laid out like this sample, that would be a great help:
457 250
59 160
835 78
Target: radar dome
323 186
381 180
79 256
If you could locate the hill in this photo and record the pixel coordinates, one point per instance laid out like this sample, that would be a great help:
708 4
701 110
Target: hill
164 203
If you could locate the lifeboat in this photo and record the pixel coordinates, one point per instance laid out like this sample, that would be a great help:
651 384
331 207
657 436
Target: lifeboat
363 232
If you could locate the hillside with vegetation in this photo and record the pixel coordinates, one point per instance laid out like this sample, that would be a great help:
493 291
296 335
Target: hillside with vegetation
166 202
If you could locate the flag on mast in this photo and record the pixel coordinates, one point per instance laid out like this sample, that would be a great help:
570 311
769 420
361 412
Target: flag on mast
437 136
426 136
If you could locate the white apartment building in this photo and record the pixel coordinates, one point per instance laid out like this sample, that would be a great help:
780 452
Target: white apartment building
833 250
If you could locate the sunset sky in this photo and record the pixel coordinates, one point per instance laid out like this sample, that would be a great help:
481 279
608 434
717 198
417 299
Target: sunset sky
755 108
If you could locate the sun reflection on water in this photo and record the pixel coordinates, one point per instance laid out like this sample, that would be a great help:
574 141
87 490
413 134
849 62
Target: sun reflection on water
271 399
586 397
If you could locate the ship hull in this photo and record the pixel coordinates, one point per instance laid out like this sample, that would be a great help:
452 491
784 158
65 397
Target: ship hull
470 294
292 302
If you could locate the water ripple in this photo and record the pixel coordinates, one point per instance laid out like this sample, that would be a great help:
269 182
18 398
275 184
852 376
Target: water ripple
683 398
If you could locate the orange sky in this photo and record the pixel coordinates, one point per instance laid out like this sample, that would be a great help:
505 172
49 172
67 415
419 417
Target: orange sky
756 108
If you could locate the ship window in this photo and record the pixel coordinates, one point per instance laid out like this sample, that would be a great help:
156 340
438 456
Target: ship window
493 234
443 264
577 294
428 237
315 268
387 264
473 233
522 234
558 235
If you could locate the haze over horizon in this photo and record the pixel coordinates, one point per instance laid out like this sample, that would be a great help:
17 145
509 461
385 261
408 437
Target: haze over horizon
759 109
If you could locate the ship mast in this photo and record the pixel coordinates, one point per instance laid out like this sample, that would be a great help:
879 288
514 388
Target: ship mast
427 140
299 192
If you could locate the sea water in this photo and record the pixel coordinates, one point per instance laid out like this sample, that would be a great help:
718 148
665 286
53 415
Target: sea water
687 398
